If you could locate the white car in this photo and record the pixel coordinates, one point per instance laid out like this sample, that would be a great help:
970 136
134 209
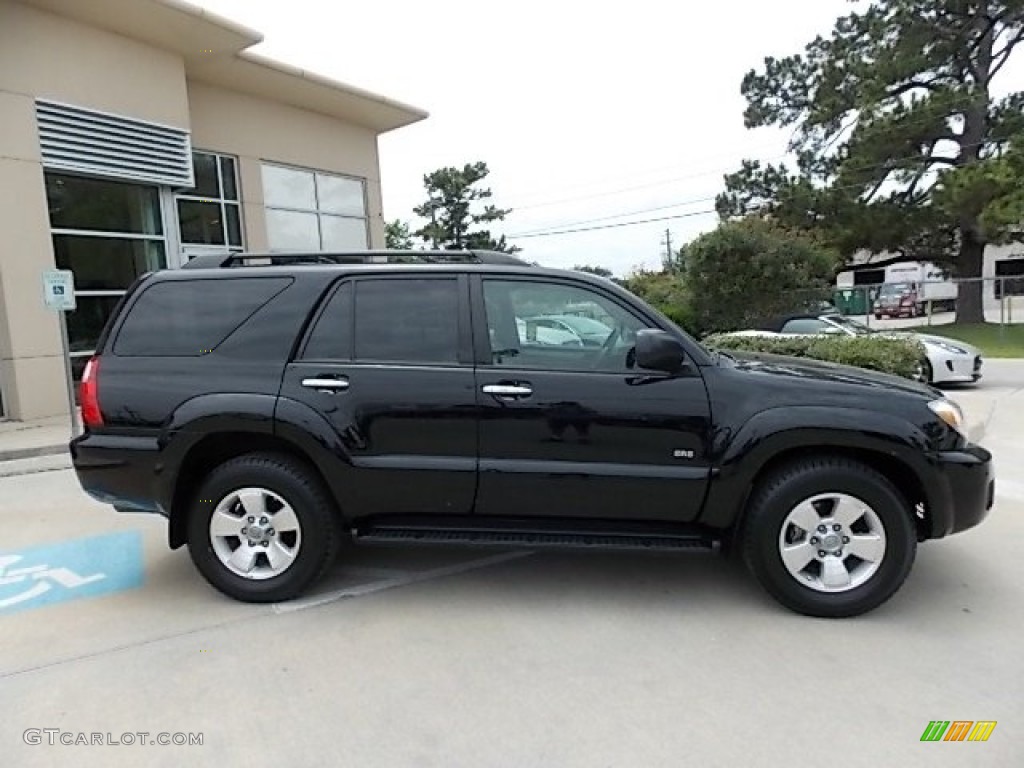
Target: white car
948 361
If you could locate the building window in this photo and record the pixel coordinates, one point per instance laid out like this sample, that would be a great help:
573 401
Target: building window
210 213
107 233
314 211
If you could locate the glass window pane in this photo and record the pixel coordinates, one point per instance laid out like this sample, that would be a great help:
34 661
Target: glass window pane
408 321
204 166
288 188
200 222
331 339
341 234
340 195
107 263
86 323
228 178
552 326
806 325
108 206
292 231
234 221
184 317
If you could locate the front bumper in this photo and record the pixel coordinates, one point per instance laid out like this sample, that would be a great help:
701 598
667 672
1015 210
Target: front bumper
962 490
950 368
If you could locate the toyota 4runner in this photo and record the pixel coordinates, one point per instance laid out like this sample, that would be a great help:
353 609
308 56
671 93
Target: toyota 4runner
274 407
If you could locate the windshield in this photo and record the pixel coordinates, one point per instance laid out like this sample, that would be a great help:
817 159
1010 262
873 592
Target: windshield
584 325
846 322
894 289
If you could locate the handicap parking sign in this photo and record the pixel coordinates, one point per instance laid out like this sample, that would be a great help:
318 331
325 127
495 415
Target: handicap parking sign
69 570
59 290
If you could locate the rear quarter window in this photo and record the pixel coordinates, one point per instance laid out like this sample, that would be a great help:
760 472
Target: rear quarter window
189 318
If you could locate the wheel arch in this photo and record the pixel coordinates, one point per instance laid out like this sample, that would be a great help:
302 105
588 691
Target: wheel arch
892 446
214 449
900 474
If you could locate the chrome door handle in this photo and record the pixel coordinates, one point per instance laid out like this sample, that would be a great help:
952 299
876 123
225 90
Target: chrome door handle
507 390
325 385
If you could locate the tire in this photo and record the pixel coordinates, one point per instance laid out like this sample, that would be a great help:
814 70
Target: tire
805 490
293 558
878 315
924 373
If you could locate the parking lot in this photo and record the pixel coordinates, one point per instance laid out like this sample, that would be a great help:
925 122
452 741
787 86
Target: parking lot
492 657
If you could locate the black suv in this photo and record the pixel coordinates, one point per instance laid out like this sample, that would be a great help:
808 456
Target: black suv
273 407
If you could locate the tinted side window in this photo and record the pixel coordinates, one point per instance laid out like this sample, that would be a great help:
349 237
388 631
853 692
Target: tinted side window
331 338
408 321
558 327
182 318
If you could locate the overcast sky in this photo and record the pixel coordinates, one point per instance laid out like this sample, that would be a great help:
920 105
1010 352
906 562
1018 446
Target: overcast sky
582 110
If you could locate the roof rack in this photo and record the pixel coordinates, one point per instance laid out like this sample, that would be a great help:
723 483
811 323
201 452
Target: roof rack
223 261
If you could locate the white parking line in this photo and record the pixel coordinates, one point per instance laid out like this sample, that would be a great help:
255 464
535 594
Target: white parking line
407 578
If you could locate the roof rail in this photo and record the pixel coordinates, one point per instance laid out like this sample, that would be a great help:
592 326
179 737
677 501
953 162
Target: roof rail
221 261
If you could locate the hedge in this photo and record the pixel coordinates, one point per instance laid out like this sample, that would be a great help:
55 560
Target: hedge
877 353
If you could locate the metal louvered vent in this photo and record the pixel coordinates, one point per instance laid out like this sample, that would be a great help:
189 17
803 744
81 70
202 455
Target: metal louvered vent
76 139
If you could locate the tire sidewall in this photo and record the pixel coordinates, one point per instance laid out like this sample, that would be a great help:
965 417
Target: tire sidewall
232 477
766 560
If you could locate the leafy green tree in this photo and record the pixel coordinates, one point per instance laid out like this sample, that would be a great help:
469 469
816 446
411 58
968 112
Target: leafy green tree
667 292
746 271
451 212
599 271
397 235
901 145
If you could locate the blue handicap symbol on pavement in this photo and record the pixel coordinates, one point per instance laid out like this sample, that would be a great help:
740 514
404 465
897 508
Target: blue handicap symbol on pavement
70 570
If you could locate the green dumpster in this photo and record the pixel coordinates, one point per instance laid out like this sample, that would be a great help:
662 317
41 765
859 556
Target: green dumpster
851 301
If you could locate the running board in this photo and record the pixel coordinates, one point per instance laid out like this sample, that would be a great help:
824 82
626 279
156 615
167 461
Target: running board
537 539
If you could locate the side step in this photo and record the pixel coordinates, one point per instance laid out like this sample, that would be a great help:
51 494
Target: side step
547 539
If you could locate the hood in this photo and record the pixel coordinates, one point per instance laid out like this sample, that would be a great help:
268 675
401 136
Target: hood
927 338
831 375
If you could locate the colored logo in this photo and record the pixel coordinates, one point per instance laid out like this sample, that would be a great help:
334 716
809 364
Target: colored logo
958 730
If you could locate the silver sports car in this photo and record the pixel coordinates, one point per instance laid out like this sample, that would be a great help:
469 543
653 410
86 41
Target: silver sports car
947 361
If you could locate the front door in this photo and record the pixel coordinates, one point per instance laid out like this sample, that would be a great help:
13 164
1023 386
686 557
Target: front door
569 427
388 363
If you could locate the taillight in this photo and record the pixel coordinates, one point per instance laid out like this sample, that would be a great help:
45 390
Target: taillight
88 394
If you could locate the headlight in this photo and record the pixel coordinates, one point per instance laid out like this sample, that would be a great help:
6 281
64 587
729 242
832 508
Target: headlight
950 413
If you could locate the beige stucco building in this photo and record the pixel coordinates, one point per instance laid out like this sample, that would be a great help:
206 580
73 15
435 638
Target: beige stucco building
135 134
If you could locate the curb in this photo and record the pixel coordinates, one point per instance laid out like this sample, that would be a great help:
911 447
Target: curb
30 453
31 466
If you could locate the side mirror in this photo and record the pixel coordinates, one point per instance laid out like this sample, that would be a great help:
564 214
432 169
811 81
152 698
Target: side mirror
658 351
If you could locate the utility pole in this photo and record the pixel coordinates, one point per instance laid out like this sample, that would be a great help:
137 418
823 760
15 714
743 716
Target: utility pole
668 249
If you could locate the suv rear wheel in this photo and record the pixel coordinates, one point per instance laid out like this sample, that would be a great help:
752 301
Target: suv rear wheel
829 537
262 528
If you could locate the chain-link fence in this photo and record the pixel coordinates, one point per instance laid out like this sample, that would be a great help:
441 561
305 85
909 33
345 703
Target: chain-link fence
932 302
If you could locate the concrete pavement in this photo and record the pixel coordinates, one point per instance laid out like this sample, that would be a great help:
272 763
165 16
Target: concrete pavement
445 657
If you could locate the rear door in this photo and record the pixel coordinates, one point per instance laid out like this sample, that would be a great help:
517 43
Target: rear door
574 430
388 361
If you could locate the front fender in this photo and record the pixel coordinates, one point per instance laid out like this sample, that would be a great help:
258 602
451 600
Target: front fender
739 456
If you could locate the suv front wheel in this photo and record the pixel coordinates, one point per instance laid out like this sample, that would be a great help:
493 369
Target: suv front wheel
829 537
262 528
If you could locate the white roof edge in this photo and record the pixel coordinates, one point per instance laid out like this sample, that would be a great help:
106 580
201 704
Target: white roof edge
255 36
327 82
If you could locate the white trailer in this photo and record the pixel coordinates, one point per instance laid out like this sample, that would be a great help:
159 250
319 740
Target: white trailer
928 283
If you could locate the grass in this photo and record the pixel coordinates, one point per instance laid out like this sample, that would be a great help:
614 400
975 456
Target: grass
992 339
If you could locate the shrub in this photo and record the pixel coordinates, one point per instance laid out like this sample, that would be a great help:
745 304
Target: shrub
748 271
666 292
877 353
